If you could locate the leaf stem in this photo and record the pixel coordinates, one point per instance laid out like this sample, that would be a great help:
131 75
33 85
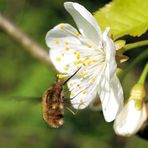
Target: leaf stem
143 74
135 45
139 58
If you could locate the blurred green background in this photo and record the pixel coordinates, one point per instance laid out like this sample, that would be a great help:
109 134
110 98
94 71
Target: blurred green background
21 122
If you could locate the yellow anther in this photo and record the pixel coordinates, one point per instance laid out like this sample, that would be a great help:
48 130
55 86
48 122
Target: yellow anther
60 76
94 61
66 43
89 46
58 59
84 64
89 62
77 33
71 84
62 54
81 101
57 42
78 56
79 73
66 68
93 79
62 26
87 58
72 95
83 76
85 72
67 48
84 92
74 52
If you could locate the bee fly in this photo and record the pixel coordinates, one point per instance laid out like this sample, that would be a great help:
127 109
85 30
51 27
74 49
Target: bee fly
53 103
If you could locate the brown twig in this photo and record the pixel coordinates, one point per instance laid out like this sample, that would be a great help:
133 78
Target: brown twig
29 45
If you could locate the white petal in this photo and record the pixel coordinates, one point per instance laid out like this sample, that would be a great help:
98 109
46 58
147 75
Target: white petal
109 48
86 23
83 87
60 34
130 120
63 41
111 96
83 94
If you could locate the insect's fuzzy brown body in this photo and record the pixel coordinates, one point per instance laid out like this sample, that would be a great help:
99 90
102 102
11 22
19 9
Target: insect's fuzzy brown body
53 105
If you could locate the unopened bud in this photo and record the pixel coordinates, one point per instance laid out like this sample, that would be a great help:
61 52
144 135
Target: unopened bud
138 92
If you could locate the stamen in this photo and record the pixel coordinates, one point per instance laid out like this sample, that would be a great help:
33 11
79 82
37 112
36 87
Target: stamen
93 79
89 62
81 101
66 68
83 64
89 46
72 95
77 34
74 52
58 59
84 92
60 76
94 61
66 43
57 42
67 48
71 84
78 56
79 73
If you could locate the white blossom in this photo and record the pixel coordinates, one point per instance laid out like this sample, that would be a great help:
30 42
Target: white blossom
94 53
130 119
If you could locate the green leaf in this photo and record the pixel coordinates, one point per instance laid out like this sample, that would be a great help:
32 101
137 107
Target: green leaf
124 17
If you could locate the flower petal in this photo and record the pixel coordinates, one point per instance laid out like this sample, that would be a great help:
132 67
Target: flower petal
82 93
86 23
111 96
60 36
130 120
110 49
63 41
83 86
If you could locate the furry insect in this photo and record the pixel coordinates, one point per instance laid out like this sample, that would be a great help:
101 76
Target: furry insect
53 103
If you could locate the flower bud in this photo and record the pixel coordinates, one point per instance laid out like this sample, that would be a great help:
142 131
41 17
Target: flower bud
137 92
133 115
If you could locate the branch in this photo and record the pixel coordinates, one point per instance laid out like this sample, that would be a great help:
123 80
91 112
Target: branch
29 45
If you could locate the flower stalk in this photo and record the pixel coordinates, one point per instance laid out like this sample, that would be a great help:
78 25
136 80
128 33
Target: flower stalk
130 46
143 75
137 60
